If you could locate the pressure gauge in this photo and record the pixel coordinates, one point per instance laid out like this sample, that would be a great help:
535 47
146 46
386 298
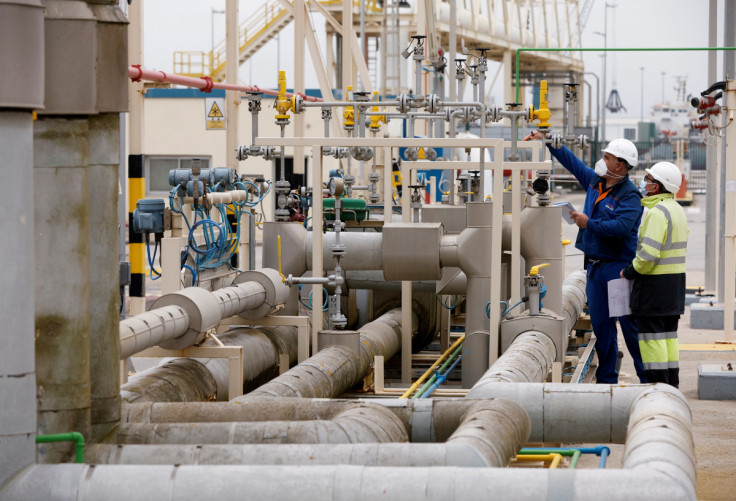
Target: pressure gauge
335 186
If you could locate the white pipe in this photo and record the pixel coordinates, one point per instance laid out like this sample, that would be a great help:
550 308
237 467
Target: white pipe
488 434
181 319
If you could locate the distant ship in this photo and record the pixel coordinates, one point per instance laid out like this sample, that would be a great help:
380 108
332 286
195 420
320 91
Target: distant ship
673 118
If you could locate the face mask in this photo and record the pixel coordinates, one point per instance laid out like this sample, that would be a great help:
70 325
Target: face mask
643 187
600 168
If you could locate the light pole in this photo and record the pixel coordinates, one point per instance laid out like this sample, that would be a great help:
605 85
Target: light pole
605 52
663 74
642 93
212 34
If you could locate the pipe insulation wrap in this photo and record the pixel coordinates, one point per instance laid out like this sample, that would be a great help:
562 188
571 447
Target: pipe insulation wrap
490 434
276 292
179 380
202 308
362 251
70 482
334 370
359 423
528 360
151 329
237 298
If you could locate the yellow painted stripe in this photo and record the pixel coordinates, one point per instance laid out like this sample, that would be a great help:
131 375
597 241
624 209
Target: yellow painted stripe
707 347
137 262
136 191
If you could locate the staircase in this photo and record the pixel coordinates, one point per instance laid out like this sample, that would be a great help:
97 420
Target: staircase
260 27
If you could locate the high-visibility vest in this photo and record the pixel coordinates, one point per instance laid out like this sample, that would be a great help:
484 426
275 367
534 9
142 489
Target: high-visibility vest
662 237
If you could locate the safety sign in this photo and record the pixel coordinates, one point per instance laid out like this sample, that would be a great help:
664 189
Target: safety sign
214 108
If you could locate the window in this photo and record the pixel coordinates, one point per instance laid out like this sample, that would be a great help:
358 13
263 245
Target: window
158 167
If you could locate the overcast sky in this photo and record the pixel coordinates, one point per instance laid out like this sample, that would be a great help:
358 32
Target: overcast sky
171 25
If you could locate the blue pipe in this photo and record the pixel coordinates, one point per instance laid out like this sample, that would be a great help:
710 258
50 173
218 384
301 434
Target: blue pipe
441 378
599 450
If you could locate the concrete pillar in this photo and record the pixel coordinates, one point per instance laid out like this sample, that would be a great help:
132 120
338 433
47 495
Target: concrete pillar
104 139
21 55
17 367
61 217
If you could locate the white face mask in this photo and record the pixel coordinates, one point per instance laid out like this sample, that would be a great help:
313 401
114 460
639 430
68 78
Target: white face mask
643 187
600 168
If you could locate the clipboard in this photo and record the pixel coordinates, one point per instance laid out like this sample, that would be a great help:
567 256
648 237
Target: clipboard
567 207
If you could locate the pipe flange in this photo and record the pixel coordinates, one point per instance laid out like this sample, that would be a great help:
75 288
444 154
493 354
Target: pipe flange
203 310
276 291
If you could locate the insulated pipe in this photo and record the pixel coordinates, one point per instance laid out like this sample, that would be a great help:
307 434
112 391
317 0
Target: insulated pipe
176 380
205 84
362 251
489 434
181 319
359 423
541 242
529 358
197 380
470 251
151 328
334 370
275 483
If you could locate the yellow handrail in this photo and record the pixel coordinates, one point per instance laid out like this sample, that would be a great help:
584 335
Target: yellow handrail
259 22
419 381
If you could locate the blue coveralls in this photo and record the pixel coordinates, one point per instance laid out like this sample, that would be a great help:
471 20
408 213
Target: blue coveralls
609 244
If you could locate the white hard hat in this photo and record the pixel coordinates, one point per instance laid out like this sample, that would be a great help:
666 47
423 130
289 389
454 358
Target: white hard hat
625 149
668 174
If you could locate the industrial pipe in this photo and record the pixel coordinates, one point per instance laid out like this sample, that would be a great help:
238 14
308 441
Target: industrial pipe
202 379
529 358
489 434
334 370
358 423
181 319
205 84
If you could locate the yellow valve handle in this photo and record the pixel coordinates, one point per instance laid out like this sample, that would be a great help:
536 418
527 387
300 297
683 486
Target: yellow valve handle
283 278
542 114
535 269
283 103
566 241
376 119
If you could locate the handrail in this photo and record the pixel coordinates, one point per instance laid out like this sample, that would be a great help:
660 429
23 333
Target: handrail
270 14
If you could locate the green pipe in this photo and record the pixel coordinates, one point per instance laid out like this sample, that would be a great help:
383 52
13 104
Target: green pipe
72 436
624 49
575 458
431 380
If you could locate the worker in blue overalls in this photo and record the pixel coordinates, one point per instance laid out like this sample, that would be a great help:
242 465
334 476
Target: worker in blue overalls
607 234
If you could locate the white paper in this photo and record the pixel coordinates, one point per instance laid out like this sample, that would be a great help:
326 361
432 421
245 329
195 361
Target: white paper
566 208
619 291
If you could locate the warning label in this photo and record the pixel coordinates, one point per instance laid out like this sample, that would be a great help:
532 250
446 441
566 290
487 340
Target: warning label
214 113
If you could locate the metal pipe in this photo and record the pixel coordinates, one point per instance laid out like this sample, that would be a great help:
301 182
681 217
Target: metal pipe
206 84
202 379
488 434
334 370
359 423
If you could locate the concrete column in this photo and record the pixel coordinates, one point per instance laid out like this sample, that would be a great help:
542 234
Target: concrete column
17 367
21 55
62 255
104 146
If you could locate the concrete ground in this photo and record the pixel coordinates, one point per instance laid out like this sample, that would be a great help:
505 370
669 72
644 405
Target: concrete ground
714 432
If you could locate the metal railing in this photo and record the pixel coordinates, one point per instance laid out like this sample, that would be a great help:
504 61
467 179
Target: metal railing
255 27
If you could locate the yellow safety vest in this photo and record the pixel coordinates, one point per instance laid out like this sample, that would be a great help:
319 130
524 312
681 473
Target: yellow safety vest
662 237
